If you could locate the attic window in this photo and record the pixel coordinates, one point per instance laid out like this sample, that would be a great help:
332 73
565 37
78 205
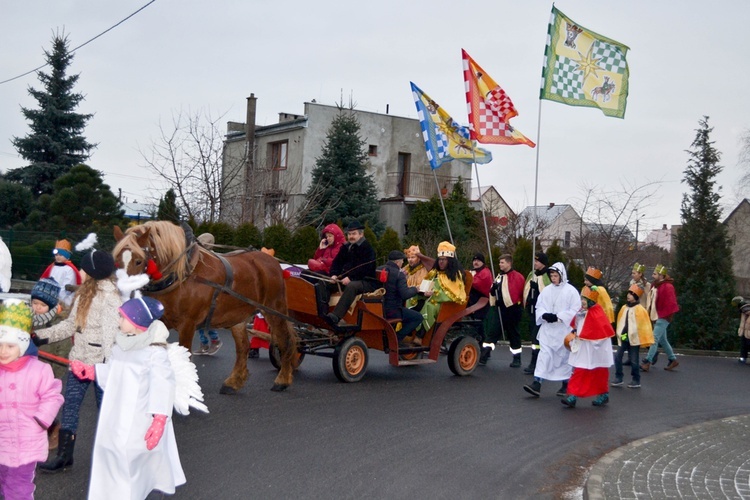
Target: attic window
372 150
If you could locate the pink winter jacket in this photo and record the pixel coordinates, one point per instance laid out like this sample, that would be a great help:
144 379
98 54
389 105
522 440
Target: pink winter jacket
28 391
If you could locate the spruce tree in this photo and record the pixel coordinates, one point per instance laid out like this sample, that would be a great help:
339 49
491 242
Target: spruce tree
168 209
703 258
341 187
55 143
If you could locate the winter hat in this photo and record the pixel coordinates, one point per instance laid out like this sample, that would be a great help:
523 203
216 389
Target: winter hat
594 275
660 269
396 255
142 311
590 293
15 323
738 301
639 268
62 247
207 240
445 249
47 290
637 290
542 257
98 264
480 257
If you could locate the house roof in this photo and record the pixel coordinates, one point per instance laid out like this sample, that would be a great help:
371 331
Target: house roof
731 214
545 213
135 210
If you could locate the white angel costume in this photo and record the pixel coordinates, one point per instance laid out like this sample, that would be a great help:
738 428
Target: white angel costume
562 300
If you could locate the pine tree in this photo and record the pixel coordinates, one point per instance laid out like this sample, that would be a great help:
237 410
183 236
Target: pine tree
168 209
341 186
703 259
55 143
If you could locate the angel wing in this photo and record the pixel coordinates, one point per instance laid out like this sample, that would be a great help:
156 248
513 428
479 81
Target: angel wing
187 393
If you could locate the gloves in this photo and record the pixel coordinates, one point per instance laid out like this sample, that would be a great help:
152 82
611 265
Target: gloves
549 317
82 371
154 433
534 285
38 341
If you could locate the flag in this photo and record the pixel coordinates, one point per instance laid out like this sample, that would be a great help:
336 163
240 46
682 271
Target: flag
444 139
583 68
490 108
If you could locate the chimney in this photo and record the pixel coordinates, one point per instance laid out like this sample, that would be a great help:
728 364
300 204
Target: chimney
552 205
664 227
249 151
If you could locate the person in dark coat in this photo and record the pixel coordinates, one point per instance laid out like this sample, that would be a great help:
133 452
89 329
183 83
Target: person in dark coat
353 267
396 293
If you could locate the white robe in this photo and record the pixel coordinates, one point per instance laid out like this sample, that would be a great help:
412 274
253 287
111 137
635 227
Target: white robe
137 384
591 353
564 301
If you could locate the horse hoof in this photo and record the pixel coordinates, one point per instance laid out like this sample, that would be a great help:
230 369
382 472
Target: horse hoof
225 389
279 387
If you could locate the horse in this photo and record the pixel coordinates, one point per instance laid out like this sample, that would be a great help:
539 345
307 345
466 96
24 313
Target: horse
198 286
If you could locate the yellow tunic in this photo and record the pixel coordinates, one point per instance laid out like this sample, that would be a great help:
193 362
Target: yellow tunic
640 331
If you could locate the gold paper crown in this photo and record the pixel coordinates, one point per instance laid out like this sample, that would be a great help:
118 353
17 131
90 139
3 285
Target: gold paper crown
64 245
639 268
589 293
660 269
445 249
637 290
15 315
594 272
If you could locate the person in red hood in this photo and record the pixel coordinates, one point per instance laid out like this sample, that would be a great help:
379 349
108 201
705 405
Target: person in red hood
663 305
333 240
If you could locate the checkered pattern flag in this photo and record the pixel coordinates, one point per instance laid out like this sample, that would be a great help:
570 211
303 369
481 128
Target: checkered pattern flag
490 108
583 68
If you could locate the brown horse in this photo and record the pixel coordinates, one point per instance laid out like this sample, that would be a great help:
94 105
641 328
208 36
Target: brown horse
188 296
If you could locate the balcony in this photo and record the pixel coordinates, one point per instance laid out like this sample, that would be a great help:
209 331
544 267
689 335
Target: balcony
420 186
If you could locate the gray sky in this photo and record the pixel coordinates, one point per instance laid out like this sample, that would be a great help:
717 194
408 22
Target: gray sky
687 59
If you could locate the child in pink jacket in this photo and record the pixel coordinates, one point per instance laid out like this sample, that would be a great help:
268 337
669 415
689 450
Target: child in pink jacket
29 400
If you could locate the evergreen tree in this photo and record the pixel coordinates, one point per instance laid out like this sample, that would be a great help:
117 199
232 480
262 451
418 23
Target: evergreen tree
55 143
389 241
278 238
168 209
703 257
247 236
303 245
15 203
341 187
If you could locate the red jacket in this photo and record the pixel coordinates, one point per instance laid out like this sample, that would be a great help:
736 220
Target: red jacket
666 299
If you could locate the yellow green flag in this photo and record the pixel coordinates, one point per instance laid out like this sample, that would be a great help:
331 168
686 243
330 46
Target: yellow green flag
583 68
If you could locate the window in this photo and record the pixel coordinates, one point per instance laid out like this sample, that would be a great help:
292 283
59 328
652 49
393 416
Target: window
278 154
566 244
372 150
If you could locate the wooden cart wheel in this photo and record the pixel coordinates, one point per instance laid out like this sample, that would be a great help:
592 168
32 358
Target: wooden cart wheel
275 357
463 356
350 360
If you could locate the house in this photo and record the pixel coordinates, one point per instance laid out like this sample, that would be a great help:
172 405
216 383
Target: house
138 212
662 238
737 224
555 222
267 170
497 210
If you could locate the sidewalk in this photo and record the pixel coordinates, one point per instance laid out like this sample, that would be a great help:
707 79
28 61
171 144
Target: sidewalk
708 460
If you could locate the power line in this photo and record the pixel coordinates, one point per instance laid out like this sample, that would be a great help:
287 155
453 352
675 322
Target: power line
82 45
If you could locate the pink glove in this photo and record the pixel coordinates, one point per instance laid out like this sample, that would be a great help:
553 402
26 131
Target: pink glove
154 433
82 370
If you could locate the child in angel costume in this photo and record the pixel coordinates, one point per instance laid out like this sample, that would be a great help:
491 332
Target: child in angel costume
135 451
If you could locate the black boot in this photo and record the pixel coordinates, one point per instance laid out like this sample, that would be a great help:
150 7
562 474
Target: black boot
529 370
516 361
535 388
64 457
563 389
485 355
321 298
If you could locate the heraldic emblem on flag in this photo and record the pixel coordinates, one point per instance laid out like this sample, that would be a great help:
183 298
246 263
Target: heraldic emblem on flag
583 68
490 109
444 139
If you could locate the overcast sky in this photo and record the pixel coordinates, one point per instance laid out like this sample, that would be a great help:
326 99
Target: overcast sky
687 59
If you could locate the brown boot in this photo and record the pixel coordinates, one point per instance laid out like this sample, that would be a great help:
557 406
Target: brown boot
672 365
53 435
645 366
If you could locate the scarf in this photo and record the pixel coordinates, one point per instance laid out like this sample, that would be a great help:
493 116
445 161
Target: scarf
131 342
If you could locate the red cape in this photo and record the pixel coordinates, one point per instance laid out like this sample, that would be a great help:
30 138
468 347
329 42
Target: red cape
47 272
596 326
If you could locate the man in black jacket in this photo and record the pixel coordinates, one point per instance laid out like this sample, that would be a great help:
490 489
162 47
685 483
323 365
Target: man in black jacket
396 292
353 267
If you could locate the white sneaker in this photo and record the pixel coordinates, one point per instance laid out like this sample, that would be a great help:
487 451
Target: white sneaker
214 348
203 349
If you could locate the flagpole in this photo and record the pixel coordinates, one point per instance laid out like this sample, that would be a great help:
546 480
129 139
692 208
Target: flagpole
536 183
445 214
484 214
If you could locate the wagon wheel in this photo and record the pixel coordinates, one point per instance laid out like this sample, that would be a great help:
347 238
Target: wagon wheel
275 357
463 356
350 360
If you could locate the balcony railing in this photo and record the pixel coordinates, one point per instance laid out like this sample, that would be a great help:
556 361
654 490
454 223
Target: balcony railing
420 186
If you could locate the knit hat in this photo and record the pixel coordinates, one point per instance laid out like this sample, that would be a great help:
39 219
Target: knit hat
637 290
47 290
98 264
396 255
445 249
660 269
62 247
542 257
590 293
142 311
594 275
15 323
480 257
639 268
412 250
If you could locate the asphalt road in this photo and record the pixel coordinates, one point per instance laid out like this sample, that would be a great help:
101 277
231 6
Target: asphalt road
414 432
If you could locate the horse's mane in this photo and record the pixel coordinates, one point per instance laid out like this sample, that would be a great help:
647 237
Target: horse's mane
166 242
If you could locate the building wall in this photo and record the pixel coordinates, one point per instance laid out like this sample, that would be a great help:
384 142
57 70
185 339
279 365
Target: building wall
737 227
567 222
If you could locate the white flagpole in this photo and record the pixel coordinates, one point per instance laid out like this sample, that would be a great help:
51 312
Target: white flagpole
536 183
442 204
